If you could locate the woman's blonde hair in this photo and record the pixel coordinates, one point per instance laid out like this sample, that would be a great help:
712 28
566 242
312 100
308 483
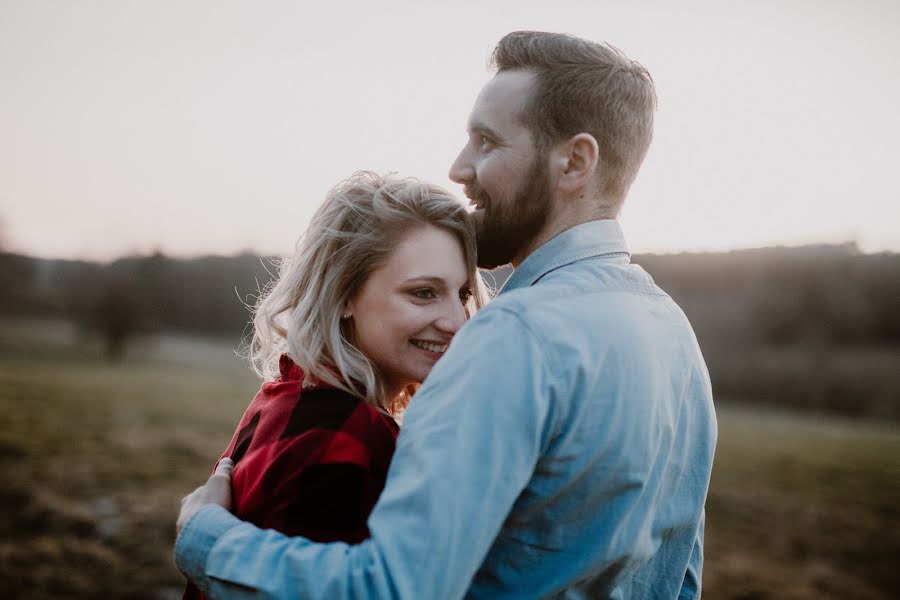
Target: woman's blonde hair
361 221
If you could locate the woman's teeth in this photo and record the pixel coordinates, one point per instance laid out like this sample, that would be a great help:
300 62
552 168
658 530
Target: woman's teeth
438 348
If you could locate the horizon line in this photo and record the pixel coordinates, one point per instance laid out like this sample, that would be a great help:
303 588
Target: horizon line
847 247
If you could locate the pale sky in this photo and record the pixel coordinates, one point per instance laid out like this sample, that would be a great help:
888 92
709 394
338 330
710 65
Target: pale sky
200 127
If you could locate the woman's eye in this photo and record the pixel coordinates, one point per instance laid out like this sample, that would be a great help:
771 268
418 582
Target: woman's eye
424 294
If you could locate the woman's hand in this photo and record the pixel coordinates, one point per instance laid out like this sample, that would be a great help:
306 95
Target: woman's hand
216 490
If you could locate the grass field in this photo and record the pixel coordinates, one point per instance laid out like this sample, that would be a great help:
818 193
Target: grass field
94 458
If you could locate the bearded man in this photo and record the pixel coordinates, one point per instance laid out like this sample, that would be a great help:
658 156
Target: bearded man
562 447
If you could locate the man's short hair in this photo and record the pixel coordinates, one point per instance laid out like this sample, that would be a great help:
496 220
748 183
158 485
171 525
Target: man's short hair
585 87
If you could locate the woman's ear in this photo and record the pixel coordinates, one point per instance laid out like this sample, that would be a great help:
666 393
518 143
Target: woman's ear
347 310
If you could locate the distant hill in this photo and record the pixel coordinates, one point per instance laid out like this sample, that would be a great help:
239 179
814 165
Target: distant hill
810 327
202 294
768 295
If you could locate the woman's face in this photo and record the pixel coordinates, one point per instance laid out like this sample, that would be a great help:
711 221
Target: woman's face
409 308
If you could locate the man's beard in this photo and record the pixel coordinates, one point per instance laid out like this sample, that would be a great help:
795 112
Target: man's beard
506 228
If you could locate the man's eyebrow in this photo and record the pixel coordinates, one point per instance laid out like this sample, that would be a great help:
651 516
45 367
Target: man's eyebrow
479 127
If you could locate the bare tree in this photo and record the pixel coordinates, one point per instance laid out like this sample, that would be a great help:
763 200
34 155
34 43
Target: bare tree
116 316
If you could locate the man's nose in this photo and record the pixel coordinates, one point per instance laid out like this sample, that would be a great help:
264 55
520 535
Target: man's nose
461 171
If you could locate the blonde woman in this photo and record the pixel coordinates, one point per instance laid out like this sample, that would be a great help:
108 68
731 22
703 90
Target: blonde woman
381 280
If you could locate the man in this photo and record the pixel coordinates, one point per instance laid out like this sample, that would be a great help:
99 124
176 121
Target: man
563 445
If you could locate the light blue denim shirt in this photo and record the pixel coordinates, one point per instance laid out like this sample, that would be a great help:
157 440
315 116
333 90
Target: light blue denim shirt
561 448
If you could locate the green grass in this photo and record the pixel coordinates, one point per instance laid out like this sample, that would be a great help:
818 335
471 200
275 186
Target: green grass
803 506
95 458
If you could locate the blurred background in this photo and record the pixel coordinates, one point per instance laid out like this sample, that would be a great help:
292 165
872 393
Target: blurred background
156 157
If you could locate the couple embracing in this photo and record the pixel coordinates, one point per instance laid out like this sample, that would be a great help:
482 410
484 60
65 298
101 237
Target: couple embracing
562 442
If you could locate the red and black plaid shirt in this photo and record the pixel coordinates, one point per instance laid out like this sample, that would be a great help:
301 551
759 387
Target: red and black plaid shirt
309 460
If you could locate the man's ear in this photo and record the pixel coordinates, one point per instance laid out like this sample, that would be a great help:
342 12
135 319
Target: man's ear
579 158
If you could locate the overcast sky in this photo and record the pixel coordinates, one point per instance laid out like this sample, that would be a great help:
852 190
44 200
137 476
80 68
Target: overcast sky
201 127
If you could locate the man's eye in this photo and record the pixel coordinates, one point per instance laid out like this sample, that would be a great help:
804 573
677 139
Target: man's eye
485 143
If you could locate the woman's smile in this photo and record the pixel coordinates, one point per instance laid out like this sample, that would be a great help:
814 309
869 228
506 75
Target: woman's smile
435 348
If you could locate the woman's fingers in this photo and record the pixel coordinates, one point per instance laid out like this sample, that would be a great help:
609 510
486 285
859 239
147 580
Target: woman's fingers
224 467
216 491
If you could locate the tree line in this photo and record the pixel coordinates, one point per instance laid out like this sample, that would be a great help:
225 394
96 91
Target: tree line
809 327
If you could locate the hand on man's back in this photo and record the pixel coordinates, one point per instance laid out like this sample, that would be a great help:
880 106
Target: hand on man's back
216 490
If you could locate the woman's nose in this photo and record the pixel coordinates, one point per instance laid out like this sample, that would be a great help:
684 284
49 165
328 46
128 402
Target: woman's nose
453 317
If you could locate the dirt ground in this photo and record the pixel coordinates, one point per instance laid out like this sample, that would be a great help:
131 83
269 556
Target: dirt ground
95 458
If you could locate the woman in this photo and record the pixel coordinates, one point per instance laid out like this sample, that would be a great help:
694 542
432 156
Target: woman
381 280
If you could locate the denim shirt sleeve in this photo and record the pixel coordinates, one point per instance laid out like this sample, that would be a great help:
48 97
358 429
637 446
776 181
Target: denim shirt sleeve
470 441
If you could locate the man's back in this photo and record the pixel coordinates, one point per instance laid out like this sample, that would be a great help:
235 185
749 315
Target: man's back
614 505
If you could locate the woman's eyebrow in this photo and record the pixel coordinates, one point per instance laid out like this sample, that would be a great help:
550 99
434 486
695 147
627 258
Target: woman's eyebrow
426 279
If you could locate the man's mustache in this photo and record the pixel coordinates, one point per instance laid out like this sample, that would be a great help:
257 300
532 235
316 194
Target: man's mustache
476 193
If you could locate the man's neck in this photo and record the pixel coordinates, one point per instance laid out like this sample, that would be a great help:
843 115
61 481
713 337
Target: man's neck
560 222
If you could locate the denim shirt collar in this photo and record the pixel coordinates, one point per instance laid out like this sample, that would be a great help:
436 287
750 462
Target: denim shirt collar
594 238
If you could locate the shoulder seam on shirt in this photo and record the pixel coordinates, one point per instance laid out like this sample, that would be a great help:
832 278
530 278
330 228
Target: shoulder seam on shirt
555 371
553 363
